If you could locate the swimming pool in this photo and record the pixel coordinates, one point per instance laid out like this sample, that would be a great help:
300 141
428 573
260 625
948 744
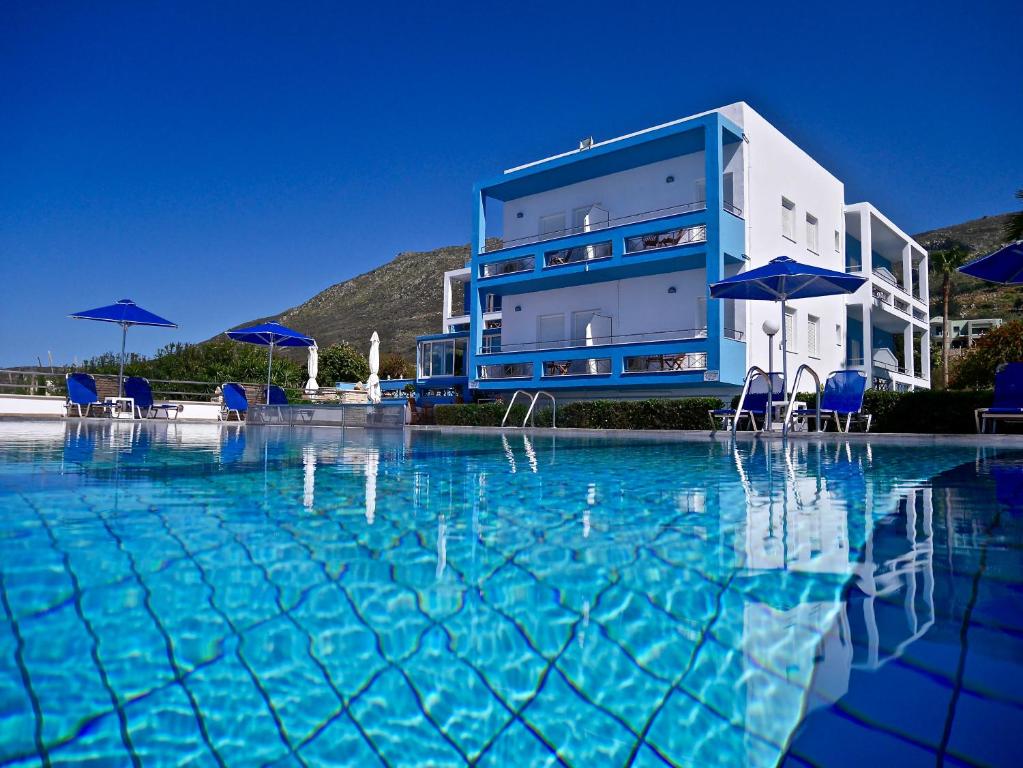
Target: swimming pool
190 594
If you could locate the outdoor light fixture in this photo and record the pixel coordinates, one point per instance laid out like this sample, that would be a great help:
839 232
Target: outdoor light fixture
518 307
670 180
672 289
519 215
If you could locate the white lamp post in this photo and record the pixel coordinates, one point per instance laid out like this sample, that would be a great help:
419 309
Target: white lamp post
771 327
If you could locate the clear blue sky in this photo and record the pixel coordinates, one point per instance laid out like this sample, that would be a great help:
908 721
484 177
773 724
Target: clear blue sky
218 162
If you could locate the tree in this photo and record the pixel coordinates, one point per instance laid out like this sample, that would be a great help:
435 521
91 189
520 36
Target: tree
394 366
342 362
1014 227
976 368
946 263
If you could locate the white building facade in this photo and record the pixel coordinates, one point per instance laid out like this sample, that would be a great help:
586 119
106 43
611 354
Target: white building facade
590 270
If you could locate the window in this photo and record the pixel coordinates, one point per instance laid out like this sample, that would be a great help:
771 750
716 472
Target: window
700 318
701 191
791 343
811 233
552 226
442 358
813 336
550 330
589 218
838 242
788 219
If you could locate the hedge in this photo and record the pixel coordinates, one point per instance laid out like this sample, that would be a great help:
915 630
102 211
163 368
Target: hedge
687 413
922 411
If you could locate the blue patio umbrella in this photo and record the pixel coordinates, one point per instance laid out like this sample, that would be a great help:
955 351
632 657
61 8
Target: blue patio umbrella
784 279
1003 266
271 335
125 313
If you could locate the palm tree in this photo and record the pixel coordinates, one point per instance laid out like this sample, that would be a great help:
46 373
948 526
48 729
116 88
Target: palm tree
1014 227
946 263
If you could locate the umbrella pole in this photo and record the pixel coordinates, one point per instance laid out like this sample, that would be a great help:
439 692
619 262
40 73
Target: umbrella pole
269 366
120 373
784 356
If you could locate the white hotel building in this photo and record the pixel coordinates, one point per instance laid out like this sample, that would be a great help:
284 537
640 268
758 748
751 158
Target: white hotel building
590 269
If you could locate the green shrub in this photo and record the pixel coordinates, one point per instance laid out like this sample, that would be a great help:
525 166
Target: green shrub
687 413
977 366
484 415
925 411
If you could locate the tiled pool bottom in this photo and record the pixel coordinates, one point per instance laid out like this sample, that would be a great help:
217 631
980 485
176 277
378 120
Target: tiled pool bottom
182 594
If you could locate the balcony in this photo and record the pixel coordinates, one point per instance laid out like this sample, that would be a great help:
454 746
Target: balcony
686 334
633 218
643 362
641 244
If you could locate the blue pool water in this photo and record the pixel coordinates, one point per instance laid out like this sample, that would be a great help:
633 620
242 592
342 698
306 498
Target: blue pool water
206 595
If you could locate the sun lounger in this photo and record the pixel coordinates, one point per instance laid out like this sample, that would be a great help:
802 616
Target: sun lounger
139 390
1008 404
81 390
842 398
234 401
754 406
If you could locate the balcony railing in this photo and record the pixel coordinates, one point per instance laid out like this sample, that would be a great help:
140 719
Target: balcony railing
919 314
581 253
508 266
506 371
673 363
667 239
687 334
632 218
902 306
587 367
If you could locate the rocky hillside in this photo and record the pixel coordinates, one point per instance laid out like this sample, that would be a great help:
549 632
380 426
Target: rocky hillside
970 297
400 300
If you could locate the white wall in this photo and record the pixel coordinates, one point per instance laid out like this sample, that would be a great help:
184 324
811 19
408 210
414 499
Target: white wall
637 305
777 168
636 190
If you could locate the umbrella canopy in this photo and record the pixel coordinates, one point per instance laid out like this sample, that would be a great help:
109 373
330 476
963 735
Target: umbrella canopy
125 313
1004 266
373 383
784 279
271 335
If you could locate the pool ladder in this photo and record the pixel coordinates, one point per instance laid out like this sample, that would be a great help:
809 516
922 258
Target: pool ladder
530 413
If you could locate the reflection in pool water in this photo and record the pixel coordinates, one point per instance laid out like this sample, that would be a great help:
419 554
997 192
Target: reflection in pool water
185 593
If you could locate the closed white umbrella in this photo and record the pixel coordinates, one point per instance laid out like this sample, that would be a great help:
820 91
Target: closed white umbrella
313 368
373 383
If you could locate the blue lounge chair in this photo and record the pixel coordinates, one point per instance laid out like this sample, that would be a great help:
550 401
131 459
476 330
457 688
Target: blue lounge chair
234 401
1008 404
842 398
276 396
81 390
139 390
754 406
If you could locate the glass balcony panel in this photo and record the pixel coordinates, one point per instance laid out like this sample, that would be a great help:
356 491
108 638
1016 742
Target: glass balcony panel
577 255
670 363
667 239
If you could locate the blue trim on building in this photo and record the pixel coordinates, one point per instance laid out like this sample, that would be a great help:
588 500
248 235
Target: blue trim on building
724 244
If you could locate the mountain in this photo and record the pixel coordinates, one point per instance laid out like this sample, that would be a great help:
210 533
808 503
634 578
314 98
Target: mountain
400 300
970 297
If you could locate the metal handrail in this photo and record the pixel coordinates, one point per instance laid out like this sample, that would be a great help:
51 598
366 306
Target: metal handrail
511 403
681 334
792 398
631 218
554 410
753 372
